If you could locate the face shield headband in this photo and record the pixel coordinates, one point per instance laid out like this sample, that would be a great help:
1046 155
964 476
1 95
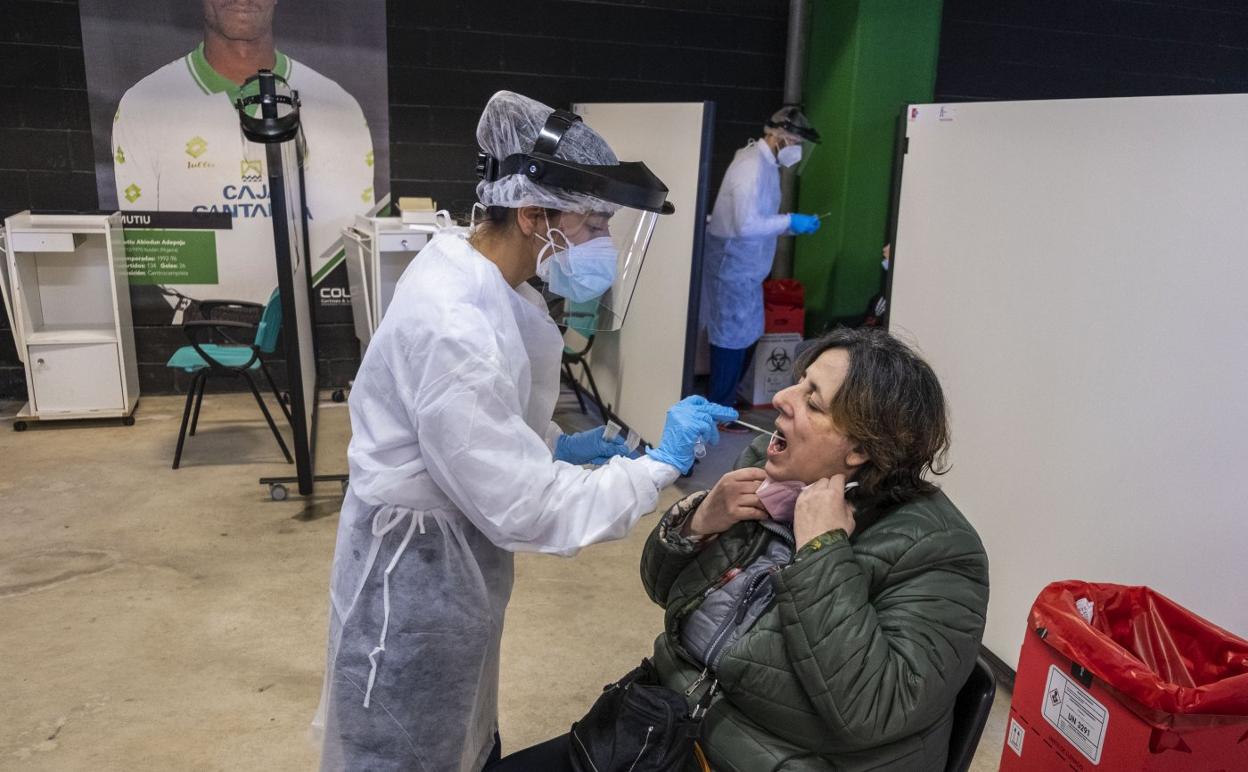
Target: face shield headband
628 183
807 133
267 126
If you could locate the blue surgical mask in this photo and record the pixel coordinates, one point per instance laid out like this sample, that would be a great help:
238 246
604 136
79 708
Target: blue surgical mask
580 272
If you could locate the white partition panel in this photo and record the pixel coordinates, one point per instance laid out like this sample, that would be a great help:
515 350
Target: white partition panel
641 368
1076 272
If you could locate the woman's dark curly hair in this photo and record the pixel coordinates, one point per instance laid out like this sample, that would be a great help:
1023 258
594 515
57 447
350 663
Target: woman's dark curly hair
890 404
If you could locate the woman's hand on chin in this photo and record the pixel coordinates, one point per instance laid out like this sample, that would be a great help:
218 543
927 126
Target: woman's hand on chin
821 508
733 499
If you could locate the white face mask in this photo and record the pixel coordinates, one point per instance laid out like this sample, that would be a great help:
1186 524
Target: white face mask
789 155
578 272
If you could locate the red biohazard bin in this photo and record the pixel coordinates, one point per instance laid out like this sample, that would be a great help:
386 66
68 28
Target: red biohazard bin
784 292
784 319
784 306
1122 678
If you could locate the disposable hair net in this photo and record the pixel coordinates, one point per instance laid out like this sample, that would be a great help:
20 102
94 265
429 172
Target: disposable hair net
792 122
510 124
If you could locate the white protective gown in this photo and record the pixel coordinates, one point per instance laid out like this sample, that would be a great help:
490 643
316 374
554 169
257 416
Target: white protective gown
740 247
451 471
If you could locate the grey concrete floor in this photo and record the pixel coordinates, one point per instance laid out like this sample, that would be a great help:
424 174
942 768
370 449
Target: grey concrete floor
160 619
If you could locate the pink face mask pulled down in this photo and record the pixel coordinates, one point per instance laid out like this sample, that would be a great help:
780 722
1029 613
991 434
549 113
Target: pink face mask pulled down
779 497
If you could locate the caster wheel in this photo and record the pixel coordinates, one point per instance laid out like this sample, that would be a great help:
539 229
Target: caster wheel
127 420
19 426
278 492
338 396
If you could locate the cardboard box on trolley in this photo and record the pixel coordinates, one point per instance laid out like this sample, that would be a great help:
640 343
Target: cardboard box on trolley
1121 678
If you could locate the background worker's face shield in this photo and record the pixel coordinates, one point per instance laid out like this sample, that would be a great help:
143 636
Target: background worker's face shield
593 266
805 147
791 127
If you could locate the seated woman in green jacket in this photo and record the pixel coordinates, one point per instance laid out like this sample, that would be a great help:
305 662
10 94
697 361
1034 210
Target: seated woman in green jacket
834 597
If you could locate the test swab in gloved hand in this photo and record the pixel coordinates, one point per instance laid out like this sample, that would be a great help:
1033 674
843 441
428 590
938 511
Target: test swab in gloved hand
699 450
752 427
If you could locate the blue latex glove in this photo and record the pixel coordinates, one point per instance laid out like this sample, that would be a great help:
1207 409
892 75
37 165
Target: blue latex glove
588 447
688 421
802 224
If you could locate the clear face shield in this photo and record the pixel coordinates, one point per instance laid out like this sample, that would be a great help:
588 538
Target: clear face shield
808 150
794 152
796 137
590 265
591 262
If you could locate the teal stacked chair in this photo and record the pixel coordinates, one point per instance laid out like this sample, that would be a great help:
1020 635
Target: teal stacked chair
582 318
234 357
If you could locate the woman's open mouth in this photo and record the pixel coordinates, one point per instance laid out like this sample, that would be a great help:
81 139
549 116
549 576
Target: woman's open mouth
778 443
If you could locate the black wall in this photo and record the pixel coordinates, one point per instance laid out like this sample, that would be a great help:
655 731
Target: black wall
447 58
1058 49
45 134
445 61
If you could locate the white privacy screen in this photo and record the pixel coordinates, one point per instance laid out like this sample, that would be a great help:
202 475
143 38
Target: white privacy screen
640 368
1076 272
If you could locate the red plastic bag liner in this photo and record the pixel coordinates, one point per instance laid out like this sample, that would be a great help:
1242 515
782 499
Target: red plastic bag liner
1147 647
784 292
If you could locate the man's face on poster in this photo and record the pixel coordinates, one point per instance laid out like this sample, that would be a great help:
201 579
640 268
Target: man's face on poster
243 20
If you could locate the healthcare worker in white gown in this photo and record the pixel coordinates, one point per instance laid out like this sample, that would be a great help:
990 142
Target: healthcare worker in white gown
454 461
741 244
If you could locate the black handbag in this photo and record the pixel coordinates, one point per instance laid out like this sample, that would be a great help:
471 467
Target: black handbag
638 725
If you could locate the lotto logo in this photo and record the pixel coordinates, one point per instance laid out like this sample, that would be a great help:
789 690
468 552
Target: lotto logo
196 146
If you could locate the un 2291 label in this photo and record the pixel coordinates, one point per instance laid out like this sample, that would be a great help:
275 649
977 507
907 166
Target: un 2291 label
1076 714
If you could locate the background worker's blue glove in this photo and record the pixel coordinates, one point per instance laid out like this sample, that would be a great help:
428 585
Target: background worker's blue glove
688 421
589 447
802 224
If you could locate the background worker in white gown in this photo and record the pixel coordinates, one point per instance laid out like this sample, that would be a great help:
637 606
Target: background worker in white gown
454 460
741 244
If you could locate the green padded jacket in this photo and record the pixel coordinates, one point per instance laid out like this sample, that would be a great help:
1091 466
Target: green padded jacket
857 662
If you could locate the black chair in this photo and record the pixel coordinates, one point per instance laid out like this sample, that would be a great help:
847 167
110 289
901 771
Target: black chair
970 714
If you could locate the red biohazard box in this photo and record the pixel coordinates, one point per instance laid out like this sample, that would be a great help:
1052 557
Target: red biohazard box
784 292
1121 678
784 319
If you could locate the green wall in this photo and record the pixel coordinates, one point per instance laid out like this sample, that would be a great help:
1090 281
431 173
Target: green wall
867 58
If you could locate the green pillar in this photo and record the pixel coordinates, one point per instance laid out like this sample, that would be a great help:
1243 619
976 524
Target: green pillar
867 58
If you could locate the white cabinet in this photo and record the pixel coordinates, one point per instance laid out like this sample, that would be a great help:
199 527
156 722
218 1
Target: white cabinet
378 250
65 285
75 378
